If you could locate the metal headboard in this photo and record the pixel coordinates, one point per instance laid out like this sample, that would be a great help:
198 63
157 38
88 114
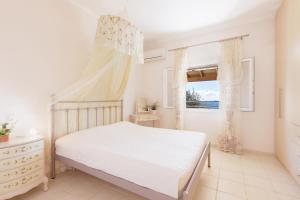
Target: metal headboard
110 111
71 112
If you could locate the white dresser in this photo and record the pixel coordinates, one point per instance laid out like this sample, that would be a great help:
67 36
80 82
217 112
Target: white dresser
21 165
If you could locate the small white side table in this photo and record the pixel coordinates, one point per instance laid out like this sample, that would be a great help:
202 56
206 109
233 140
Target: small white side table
22 165
136 118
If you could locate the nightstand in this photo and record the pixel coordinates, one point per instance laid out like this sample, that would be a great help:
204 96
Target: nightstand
22 165
136 118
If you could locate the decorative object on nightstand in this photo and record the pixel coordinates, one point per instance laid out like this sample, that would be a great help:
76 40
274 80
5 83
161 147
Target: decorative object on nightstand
154 106
5 129
145 112
141 106
21 165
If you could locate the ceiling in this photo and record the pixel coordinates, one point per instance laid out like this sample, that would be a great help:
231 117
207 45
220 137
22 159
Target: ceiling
162 18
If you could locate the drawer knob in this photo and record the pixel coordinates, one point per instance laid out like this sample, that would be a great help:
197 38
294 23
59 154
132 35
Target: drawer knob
6 152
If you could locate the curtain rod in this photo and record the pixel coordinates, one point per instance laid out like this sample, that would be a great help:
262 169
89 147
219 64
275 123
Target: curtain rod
203 43
201 67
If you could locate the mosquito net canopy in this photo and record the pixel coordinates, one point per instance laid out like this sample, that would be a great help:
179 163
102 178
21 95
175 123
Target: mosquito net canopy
118 47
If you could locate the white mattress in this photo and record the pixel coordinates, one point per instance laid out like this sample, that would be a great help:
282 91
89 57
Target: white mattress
159 159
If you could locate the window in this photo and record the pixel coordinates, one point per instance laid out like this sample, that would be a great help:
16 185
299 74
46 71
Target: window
202 89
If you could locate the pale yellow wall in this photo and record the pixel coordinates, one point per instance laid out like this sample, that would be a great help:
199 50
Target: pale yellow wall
287 124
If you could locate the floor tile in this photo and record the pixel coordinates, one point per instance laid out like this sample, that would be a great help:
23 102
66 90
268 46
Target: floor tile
260 182
233 188
281 176
255 193
17 198
287 189
209 181
212 171
205 193
226 196
285 197
231 175
255 171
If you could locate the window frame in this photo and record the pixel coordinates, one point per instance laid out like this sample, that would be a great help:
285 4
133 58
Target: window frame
251 108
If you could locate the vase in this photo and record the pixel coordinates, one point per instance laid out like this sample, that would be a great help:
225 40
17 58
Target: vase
4 138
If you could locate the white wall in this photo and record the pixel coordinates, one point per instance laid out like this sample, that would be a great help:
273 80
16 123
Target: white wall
258 126
44 46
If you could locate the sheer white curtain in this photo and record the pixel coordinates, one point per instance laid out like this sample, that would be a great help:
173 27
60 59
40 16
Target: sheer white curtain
117 48
229 76
180 80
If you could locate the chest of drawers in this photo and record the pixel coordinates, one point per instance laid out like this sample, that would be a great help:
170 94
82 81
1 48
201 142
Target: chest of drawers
21 166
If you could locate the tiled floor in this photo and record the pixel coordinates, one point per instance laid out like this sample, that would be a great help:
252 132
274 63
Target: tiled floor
231 177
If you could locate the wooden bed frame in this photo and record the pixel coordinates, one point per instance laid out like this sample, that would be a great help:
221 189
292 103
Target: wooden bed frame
111 108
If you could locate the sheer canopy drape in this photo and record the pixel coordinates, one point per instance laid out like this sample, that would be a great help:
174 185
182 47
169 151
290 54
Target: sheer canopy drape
118 46
229 76
105 78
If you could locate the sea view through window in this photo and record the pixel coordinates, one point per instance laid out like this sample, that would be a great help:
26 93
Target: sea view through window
202 94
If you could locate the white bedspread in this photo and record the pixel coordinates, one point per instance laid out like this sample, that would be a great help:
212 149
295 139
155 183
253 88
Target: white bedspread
160 159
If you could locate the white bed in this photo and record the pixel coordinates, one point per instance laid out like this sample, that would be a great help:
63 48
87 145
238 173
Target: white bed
162 160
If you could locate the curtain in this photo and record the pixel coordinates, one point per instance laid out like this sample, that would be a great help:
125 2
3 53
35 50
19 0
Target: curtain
117 48
229 76
180 81
105 77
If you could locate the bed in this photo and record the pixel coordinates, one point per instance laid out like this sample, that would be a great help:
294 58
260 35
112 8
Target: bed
158 164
